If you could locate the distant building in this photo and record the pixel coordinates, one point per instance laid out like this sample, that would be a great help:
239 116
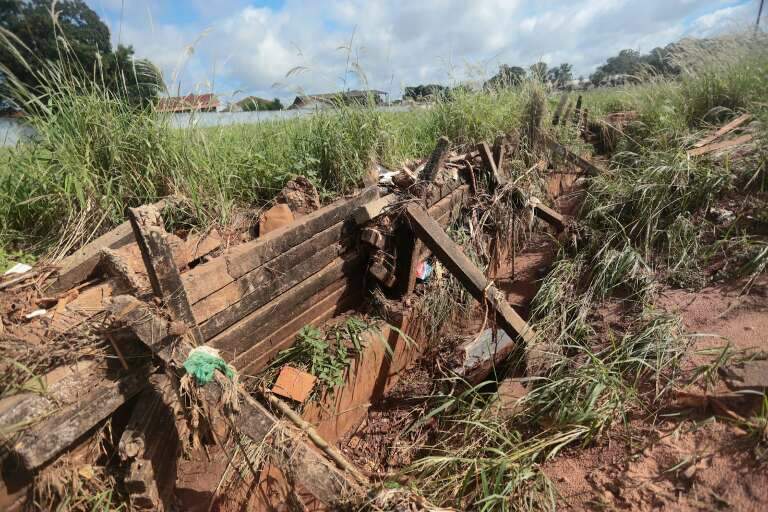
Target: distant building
189 103
335 99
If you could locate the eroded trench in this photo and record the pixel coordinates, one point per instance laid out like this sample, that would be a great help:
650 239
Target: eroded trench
367 278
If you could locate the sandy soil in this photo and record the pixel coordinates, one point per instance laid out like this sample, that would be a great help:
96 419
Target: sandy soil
689 459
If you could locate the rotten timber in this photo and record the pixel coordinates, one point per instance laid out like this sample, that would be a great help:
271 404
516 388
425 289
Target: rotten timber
483 290
569 156
718 146
48 438
151 446
723 130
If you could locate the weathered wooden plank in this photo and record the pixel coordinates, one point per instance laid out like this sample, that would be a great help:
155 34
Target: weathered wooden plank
156 252
490 164
265 287
467 273
303 464
151 446
78 266
280 267
499 149
480 356
337 298
548 215
244 258
724 130
711 148
51 436
239 337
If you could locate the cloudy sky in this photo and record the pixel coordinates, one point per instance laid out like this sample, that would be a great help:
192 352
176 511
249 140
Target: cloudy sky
278 47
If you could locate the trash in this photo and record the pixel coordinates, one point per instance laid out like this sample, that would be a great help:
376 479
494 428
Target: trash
18 268
35 313
86 472
203 361
275 218
423 271
294 384
722 215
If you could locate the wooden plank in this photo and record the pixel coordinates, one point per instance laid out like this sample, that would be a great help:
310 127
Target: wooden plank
548 215
480 356
78 266
724 130
265 287
244 258
51 436
206 279
279 268
710 148
329 483
499 148
490 164
150 445
161 267
340 297
240 336
467 273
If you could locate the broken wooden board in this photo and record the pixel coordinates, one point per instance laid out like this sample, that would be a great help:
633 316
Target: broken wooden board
478 357
490 164
48 438
151 445
77 267
719 146
369 211
450 255
547 214
303 464
436 160
723 130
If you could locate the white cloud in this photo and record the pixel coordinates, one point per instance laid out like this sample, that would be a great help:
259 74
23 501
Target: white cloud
402 43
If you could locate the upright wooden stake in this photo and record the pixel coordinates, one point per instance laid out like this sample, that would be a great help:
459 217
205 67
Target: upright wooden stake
559 109
161 268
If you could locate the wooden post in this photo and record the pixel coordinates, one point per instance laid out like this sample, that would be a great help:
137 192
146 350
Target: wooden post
577 110
490 164
450 254
498 153
161 268
559 109
436 160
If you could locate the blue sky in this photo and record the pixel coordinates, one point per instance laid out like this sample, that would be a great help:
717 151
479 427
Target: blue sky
277 48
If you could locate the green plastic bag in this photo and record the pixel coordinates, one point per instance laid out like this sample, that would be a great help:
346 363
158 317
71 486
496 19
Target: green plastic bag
203 362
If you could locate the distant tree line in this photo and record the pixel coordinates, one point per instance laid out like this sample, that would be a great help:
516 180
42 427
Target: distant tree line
253 104
509 76
631 63
80 40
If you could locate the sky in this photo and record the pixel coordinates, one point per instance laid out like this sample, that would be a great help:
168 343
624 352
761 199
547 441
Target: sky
277 48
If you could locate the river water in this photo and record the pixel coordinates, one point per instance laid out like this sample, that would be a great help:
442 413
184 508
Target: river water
12 130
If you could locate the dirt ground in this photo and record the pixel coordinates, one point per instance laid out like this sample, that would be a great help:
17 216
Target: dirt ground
687 459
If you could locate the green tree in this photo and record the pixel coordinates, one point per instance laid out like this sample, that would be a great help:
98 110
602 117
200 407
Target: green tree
538 71
71 33
508 76
253 104
561 74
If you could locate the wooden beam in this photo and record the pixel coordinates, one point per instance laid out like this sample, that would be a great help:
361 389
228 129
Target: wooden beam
724 130
151 445
718 146
265 287
241 336
327 482
450 254
548 215
53 435
161 267
490 163
499 148
479 357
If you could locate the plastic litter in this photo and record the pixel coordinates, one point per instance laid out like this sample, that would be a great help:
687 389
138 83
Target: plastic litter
203 361
424 271
18 268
